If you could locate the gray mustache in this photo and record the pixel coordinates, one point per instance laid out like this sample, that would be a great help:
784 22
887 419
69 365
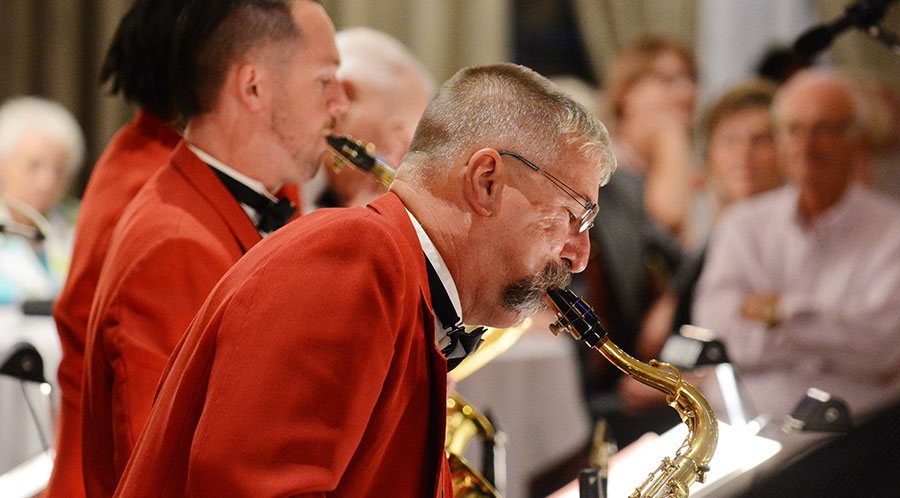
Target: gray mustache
527 295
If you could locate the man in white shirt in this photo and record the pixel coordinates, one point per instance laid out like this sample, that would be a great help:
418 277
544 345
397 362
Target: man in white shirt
803 283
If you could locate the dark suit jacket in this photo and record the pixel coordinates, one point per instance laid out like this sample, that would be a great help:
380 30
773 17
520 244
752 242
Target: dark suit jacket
181 233
137 151
311 370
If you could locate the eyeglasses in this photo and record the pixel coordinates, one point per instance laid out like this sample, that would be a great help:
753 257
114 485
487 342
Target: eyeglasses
586 220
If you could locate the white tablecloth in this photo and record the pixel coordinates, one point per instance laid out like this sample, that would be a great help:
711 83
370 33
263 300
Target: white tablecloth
533 395
19 439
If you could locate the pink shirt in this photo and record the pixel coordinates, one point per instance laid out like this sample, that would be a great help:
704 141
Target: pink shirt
839 282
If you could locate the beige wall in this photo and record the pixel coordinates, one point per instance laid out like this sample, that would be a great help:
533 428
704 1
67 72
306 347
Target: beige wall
54 47
445 34
860 55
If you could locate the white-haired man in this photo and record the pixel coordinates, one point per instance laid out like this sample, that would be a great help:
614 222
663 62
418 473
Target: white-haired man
41 150
387 90
803 282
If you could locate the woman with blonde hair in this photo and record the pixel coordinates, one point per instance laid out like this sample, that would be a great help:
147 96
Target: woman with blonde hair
652 92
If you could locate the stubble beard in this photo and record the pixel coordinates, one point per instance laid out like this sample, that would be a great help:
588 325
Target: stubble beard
302 163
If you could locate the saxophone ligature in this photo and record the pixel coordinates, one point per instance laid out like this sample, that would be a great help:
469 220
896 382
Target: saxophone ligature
674 476
347 150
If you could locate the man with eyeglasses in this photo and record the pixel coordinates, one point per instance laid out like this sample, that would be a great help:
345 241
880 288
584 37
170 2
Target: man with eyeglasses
318 364
803 282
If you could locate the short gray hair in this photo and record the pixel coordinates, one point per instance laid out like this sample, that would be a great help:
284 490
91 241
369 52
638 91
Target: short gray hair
505 106
21 116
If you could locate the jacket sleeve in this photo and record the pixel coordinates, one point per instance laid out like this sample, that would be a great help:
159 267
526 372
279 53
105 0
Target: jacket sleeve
320 338
153 305
861 335
731 273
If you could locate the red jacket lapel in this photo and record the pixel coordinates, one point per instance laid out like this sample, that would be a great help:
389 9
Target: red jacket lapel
201 177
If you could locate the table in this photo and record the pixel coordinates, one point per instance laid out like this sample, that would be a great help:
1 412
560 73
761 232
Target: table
19 437
533 394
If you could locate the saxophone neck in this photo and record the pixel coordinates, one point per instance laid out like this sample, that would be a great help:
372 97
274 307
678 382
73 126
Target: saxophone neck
674 476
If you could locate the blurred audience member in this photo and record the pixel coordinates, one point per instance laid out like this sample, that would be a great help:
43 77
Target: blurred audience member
741 161
41 149
652 91
740 157
387 90
803 283
137 66
583 92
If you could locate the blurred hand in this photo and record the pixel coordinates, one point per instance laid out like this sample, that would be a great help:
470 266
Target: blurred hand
762 307
656 326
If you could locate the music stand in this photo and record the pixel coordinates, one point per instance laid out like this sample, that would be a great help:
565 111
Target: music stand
695 347
22 361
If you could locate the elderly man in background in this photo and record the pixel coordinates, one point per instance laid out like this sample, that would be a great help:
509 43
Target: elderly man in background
803 282
258 86
41 150
313 368
387 90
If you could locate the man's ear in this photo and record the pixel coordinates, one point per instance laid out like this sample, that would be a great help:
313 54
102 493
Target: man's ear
481 186
250 86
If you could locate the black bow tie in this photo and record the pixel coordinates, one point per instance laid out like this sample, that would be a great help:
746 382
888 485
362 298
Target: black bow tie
451 322
272 215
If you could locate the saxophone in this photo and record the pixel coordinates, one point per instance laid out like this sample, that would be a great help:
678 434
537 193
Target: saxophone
464 423
675 475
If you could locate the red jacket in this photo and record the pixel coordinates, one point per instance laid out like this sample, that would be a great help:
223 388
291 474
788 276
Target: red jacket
137 151
311 370
181 233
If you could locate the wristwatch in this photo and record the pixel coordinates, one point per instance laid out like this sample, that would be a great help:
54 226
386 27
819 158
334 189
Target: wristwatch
769 314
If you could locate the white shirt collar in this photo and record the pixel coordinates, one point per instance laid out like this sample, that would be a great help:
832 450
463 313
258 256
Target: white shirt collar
256 185
437 262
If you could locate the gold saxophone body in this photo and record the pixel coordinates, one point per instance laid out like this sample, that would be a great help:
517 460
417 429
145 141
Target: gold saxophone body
674 476
464 423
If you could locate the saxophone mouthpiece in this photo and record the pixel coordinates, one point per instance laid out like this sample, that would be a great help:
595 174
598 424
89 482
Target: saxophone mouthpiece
575 317
347 150
557 303
553 297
